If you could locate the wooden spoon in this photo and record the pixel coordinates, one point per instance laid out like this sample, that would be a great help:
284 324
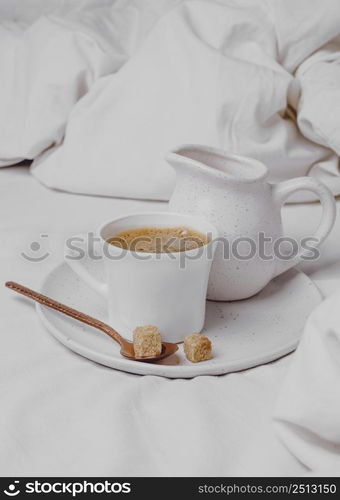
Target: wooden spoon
126 350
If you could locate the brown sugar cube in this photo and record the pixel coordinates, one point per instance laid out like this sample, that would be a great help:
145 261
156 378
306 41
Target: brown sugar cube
197 347
147 341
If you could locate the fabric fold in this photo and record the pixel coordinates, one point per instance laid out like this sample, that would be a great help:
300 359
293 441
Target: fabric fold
99 94
307 414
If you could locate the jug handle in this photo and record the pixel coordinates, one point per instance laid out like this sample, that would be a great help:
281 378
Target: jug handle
282 190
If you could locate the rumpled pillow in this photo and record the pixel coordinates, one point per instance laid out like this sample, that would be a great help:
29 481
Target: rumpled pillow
213 73
49 63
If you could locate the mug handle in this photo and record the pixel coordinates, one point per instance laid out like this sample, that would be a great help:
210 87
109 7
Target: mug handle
76 255
282 190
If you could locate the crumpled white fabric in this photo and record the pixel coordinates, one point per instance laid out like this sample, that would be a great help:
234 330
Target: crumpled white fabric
308 410
49 63
255 77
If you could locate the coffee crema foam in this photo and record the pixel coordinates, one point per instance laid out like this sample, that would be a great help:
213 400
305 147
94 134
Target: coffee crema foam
159 239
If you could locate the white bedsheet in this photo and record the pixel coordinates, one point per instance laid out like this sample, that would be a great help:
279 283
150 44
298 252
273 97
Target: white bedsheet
97 92
308 409
64 415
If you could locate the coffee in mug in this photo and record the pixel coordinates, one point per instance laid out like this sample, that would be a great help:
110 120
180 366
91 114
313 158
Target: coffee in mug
159 239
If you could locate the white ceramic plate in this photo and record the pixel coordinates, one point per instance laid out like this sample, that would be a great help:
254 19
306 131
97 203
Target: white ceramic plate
244 333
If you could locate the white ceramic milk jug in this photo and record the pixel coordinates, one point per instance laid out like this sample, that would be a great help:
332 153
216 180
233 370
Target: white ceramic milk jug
231 192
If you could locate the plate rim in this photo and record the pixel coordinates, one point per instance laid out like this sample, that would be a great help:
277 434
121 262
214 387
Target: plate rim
167 371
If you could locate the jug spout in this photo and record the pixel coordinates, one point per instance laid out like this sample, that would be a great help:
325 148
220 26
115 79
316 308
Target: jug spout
181 159
216 163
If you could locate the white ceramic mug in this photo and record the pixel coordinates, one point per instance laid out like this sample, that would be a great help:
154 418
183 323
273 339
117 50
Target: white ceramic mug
165 290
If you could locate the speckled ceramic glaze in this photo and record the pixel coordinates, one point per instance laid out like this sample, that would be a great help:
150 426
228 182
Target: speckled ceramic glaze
244 334
231 192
